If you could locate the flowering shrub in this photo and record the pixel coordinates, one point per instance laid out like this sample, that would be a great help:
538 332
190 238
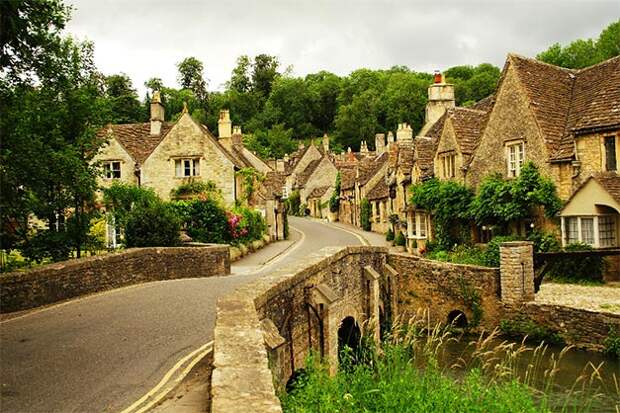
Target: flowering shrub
236 230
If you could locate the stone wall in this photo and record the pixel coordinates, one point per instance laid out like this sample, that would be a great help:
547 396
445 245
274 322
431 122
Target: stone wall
439 288
61 281
582 328
265 330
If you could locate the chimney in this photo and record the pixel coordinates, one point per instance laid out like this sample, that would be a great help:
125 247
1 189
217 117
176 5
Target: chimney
390 140
280 165
157 114
286 158
224 125
325 143
440 99
363 148
404 134
379 143
237 136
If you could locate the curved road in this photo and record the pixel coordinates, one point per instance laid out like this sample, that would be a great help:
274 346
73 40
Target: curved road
103 352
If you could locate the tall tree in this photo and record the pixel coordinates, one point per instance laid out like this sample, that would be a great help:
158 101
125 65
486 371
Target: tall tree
240 79
123 99
264 73
191 77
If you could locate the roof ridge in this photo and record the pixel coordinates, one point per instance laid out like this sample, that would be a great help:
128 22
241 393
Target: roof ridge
540 62
607 61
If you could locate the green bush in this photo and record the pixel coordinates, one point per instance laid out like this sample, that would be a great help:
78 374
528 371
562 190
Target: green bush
612 343
204 220
389 235
334 200
293 202
365 211
462 254
544 241
252 224
152 226
196 188
47 244
578 268
399 239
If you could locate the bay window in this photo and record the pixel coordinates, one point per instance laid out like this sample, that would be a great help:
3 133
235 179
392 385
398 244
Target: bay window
598 231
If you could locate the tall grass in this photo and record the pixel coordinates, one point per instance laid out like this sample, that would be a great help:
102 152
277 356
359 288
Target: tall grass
411 372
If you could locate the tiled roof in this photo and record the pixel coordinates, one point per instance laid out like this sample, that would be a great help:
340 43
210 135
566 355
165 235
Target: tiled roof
611 182
379 191
405 158
273 184
318 192
485 104
468 126
424 154
549 90
136 138
566 102
303 177
369 167
347 176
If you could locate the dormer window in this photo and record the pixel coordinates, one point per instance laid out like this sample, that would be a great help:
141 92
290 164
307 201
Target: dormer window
515 154
112 170
187 167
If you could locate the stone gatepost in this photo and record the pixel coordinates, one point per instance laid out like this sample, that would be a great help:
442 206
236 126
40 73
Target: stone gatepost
516 271
374 290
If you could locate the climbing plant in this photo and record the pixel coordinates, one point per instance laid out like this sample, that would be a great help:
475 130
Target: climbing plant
334 201
365 212
250 177
449 203
501 201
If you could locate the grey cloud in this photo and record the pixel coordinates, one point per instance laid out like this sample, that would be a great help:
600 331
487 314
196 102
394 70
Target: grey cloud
147 38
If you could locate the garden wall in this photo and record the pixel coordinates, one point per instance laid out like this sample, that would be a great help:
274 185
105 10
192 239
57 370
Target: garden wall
61 281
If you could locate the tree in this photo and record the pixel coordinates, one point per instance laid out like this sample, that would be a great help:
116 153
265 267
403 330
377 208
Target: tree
608 42
240 79
274 143
29 36
154 84
357 120
52 103
289 104
264 73
191 77
123 99
323 88
585 52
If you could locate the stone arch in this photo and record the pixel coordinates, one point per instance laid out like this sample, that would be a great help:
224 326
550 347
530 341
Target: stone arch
457 318
349 335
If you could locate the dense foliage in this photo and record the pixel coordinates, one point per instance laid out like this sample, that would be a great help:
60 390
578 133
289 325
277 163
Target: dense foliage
585 52
365 214
578 269
502 201
334 200
449 203
293 204
197 189
154 225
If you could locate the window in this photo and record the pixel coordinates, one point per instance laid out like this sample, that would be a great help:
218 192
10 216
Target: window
610 153
448 165
187 167
572 229
587 230
112 170
284 192
515 155
423 225
607 231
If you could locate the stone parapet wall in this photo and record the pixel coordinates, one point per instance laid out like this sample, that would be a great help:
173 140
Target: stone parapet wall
265 330
582 328
69 279
517 271
440 288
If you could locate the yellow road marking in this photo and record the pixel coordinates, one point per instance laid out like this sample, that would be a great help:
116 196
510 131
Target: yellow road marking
201 351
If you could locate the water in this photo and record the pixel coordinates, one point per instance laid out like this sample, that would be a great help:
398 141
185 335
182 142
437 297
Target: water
604 393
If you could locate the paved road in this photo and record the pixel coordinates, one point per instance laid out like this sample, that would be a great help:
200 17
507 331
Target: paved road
101 353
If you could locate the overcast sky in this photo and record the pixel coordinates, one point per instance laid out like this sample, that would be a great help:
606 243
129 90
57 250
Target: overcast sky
146 38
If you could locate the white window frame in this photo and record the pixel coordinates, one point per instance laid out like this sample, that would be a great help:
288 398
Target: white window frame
515 158
186 167
595 229
109 170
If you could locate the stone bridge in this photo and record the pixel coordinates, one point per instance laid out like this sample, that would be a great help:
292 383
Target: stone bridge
265 330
